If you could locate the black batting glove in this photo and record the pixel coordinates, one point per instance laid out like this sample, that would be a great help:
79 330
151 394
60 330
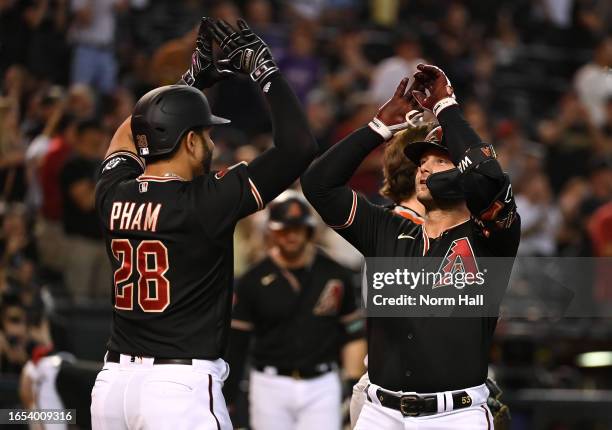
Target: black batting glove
246 51
204 71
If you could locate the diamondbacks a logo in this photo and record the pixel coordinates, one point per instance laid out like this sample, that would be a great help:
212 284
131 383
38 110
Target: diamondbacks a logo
458 259
330 300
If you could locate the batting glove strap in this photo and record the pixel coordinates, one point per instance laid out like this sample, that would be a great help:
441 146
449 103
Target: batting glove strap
413 119
443 104
381 128
263 70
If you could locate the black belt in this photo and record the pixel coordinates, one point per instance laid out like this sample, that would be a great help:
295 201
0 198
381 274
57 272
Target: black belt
113 357
304 373
412 405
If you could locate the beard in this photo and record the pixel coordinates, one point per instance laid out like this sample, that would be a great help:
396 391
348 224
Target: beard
206 163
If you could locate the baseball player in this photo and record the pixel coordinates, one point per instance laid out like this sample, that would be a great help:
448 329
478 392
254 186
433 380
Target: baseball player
168 226
299 306
398 186
426 373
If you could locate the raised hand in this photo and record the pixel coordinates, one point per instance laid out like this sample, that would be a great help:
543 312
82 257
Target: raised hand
399 112
204 71
435 81
246 52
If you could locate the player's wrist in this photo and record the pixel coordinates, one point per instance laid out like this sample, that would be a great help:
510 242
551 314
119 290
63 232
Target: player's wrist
442 104
380 128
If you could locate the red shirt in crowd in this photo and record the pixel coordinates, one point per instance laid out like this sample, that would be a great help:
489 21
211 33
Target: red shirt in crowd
50 170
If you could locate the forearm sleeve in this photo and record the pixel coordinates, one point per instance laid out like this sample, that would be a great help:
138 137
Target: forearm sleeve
324 184
294 146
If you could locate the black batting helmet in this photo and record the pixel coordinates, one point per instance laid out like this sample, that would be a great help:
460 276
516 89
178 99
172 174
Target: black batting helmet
434 140
290 209
162 116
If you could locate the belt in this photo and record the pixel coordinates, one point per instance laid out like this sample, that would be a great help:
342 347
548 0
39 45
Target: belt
413 405
114 357
304 373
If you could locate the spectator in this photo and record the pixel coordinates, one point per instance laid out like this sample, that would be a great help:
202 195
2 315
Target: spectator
300 65
392 70
571 139
93 35
539 218
593 81
51 238
13 335
259 15
600 179
88 271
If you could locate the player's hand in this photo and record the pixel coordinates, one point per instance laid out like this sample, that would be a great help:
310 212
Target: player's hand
437 84
204 71
246 51
399 113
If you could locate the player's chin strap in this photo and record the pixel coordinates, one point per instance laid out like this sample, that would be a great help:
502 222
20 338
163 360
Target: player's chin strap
414 118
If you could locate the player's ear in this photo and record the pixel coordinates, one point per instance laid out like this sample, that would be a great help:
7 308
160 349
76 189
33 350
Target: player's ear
191 142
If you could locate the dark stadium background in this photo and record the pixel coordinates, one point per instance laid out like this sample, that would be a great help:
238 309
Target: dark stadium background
532 77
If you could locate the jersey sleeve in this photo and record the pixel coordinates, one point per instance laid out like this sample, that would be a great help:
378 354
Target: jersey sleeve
366 226
117 167
224 197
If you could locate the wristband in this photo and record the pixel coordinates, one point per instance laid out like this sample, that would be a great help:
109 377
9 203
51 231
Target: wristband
381 128
443 104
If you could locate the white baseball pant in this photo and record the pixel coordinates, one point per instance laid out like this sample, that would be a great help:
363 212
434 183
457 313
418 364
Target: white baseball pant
141 396
358 398
284 403
476 417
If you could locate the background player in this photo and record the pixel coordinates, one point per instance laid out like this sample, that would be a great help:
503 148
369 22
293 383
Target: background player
417 379
299 306
168 227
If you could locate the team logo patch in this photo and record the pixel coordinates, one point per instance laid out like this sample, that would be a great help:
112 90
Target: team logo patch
143 187
330 299
143 144
458 259
113 163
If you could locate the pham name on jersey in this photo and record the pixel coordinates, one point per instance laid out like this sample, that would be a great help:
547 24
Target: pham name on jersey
126 216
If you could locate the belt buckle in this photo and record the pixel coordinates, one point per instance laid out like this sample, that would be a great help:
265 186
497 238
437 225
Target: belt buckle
295 374
405 405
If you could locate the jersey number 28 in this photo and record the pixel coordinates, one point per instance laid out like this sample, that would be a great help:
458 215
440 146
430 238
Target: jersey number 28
151 259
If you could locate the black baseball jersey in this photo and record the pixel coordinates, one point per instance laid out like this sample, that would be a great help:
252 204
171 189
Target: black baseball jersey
410 354
424 354
299 317
170 244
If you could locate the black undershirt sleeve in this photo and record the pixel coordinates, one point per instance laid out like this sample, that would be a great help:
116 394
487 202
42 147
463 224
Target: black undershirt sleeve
294 145
350 214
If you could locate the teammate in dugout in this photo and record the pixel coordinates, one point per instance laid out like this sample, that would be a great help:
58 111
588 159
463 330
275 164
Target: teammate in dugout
299 306
168 226
425 372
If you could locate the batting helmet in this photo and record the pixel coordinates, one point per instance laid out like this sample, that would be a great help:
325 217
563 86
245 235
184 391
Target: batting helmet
444 185
290 209
162 116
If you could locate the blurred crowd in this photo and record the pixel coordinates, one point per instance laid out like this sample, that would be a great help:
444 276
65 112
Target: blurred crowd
533 78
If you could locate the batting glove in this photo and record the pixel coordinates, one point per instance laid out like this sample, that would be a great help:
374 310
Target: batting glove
441 93
204 71
399 113
246 51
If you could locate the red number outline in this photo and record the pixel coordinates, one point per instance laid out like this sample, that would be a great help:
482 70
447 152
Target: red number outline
124 295
123 300
162 298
